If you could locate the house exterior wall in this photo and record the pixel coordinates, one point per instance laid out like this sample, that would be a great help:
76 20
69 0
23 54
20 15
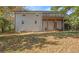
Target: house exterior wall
31 22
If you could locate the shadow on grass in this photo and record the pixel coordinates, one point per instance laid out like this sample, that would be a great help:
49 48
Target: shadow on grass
19 43
60 35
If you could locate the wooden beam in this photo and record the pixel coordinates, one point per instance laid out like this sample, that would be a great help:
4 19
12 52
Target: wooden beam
52 18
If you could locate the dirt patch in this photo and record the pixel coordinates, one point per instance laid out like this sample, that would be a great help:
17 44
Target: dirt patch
40 42
65 45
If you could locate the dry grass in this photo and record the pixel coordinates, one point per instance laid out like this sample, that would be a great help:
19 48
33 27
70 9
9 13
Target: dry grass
41 42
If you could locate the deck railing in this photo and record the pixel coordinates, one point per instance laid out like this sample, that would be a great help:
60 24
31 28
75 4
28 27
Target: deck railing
54 15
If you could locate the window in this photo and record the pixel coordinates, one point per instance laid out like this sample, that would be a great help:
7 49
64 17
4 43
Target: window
35 22
22 22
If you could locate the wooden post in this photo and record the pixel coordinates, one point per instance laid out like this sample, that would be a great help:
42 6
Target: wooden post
63 24
42 25
47 24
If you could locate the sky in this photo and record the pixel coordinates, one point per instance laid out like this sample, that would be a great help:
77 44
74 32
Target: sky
38 8
70 11
44 8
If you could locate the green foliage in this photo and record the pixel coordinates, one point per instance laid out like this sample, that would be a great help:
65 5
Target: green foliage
6 16
73 19
61 9
4 24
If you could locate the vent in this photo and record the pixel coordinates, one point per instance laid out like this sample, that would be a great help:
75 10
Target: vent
23 15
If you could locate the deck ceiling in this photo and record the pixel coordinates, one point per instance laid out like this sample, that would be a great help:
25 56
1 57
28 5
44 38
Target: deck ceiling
53 18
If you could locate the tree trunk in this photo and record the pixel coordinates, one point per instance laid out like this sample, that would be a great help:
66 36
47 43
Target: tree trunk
3 30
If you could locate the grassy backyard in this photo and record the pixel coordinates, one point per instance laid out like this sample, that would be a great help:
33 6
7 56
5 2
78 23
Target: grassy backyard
40 42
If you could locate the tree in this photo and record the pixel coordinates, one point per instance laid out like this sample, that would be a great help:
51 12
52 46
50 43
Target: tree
6 16
3 24
73 19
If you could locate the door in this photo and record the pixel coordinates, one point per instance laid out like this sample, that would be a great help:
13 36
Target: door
55 25
44 26
50 25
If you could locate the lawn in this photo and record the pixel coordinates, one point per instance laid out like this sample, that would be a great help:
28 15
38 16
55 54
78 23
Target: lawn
40 42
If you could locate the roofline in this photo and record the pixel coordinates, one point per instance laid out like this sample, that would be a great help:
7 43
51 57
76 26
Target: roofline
34 11
40 11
